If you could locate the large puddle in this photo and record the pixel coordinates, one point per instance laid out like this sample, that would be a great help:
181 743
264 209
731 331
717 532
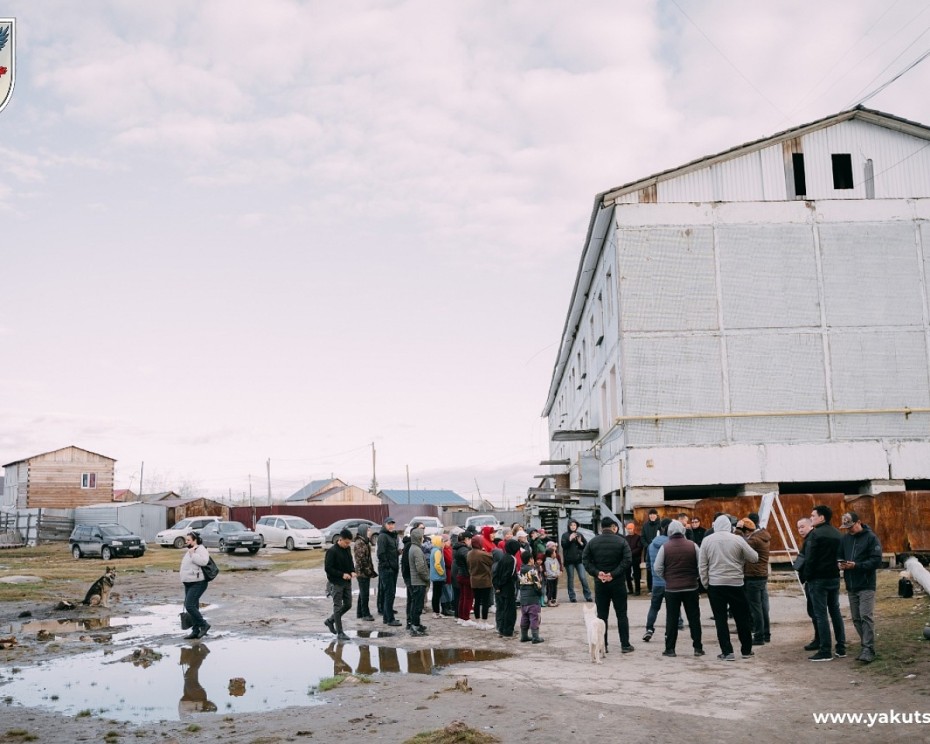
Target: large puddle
226 674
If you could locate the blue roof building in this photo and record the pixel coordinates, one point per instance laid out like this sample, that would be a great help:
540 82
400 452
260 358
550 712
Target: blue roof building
436 497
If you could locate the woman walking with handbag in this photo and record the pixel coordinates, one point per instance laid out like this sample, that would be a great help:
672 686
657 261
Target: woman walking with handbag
195 583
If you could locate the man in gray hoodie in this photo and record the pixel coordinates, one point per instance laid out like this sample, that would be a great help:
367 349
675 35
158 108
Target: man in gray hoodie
419 580
721 563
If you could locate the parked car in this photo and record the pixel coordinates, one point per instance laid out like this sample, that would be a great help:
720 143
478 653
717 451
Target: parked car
477 521
106 540
228 536
431 526
330 533
174 536
287 531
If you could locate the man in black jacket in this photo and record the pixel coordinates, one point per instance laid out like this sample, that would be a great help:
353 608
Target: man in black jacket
573 543
822 573
340 570
649 532
607 558
388 565
861 556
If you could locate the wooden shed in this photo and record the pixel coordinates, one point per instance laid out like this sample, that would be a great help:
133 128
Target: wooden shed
61 479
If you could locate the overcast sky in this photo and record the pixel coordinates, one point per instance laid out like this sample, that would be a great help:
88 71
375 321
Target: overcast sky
233 231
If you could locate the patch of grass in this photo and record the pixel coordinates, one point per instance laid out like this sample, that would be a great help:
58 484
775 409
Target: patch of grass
330 683
84 713
64 577
455 733
899 643
20 735
193 728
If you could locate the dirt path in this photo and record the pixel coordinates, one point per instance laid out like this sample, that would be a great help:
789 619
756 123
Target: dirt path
544 690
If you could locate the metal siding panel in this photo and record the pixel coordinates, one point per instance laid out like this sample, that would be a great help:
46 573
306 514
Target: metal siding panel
777 372
774 187
870 274
768 275
880 369
673 375
696 186
667 279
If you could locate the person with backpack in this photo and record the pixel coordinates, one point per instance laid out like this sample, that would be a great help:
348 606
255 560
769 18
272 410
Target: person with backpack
195 583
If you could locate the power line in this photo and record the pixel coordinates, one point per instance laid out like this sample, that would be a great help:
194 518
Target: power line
728 60
844 55
882 87
888 66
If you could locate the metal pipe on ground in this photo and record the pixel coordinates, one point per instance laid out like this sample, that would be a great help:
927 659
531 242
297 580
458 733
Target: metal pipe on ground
918 573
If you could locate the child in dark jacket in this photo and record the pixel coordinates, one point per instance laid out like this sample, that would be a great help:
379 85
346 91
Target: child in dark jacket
531 592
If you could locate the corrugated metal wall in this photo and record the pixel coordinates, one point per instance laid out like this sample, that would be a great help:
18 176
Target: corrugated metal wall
900 162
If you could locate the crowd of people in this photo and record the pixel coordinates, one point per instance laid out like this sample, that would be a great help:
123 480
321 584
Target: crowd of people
519 572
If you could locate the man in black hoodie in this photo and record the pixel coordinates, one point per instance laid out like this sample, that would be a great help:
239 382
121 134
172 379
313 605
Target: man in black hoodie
504 577
822 573
388 565
861 556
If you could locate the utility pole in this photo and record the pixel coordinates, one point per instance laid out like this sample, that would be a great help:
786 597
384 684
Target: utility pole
374 475
250 489
478 488
141 473
408 485
269 481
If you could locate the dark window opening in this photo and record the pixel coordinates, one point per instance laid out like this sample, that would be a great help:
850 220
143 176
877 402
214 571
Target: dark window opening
917 485
847 488
842 171
800 182
675 493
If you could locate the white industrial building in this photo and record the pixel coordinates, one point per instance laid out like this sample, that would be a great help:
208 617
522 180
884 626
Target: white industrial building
755 320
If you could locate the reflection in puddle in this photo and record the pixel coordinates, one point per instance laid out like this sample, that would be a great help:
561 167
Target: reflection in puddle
228 674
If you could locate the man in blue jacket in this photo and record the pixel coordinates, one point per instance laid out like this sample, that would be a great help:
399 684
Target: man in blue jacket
860 557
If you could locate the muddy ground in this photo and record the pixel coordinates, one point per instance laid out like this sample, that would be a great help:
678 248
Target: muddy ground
541 691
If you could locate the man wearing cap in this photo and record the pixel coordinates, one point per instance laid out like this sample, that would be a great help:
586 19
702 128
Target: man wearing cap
388 565
757 578
607 559
860 557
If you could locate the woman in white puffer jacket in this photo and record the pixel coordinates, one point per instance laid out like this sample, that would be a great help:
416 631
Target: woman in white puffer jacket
195 584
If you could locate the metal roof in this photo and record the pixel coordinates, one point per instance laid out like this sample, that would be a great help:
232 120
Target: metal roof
439 497
312 488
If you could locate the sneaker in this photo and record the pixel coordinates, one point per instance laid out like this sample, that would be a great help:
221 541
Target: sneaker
394 623
758 642
628 649
840 652
572 599
820 657
812 646
369 618
340 636
647 636
747 655
328 622
669 652
415 632
699 652
437 616
866 657
726 657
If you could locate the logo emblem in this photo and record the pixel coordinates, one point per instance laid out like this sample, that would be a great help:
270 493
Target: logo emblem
7 59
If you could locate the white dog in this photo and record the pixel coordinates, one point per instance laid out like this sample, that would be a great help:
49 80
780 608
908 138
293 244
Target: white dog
597 629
